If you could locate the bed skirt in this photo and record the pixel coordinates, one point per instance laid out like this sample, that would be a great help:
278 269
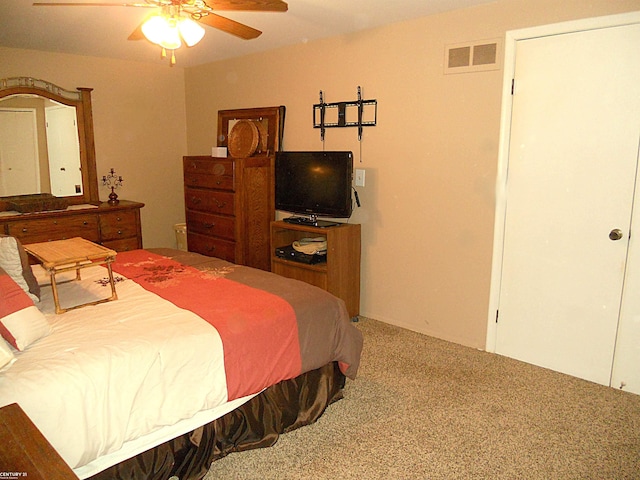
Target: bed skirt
256 424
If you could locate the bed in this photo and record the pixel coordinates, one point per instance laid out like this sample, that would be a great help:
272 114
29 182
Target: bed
197 358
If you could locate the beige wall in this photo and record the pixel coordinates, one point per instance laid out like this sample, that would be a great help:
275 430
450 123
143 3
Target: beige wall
428 206
139 123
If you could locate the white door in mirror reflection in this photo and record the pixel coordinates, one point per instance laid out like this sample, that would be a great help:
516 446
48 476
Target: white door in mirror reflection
64 150
19 172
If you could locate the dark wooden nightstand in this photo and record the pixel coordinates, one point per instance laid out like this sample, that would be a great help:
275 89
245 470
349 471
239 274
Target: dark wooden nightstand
25 453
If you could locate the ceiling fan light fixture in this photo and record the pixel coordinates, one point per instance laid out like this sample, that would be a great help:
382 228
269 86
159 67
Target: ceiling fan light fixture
162 31
176 20
171 40
190 31
153 28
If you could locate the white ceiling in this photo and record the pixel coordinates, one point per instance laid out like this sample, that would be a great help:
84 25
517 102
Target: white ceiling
103 31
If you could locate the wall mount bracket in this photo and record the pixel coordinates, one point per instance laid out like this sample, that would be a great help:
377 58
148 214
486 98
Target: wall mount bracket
340 113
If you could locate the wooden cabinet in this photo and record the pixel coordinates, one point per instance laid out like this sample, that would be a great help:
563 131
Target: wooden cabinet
339 275
114 226
229 206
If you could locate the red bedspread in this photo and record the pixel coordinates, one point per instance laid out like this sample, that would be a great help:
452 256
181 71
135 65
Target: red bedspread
258 329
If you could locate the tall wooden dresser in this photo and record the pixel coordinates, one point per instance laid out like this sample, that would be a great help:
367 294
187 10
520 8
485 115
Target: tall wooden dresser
229 203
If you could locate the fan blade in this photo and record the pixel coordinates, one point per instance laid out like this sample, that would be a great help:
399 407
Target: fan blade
137 33
248 5
209 5
92 4
229 26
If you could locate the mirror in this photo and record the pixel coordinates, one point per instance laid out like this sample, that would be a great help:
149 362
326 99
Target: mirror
39 147
46 142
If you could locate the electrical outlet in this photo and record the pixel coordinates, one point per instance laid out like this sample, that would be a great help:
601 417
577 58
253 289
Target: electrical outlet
360 177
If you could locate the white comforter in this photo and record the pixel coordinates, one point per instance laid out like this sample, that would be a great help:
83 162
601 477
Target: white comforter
115 371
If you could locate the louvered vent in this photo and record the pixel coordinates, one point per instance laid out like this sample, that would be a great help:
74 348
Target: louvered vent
472 57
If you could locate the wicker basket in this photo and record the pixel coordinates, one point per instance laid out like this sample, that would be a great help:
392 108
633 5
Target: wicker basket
243 139
39 202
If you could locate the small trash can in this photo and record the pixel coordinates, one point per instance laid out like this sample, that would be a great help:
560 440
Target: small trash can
181 236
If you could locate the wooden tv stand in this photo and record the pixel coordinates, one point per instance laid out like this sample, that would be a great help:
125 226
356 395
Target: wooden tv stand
339 275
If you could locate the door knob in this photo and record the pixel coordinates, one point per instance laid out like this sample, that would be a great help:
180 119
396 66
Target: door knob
615 234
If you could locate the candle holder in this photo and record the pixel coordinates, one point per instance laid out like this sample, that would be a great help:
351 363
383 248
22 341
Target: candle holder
113 181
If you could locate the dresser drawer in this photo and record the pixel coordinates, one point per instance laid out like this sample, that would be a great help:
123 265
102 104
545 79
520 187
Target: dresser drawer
209 166
208 181
57 228
117 225
209 201
209 173
211 246
209 224
123 245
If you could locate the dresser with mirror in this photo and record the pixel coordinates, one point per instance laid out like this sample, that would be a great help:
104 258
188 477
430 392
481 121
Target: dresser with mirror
48 177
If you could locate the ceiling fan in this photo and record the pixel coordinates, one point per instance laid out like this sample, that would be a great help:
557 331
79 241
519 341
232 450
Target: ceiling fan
178 20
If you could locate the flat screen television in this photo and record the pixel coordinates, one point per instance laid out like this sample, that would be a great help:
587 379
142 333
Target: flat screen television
314 184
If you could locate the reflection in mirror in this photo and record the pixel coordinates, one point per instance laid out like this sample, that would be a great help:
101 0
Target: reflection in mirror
46 143
39 147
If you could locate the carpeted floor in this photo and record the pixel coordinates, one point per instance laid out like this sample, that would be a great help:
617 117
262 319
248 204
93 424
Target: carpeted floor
423 408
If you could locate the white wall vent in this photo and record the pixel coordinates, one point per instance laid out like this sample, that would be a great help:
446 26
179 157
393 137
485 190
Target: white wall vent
469 57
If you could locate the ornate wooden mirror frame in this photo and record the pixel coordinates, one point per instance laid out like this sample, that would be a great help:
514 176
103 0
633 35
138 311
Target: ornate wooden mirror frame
81 100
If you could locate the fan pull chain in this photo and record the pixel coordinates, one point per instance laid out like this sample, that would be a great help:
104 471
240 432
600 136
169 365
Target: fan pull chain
163 55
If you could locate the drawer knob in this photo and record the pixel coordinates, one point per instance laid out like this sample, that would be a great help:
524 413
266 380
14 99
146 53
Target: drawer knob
219 204
119 232
209 225
85 223
211 248
24 229
118 219
196 200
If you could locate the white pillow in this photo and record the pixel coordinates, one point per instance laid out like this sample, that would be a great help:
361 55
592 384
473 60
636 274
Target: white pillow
21 323
6 355
11 263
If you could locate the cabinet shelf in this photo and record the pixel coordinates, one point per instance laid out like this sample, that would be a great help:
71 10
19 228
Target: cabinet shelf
340 275
318 267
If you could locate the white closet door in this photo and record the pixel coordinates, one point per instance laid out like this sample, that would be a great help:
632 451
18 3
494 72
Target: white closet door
64 150
570 185
19 171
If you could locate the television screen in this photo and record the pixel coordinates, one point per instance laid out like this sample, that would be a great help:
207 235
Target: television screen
314 183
